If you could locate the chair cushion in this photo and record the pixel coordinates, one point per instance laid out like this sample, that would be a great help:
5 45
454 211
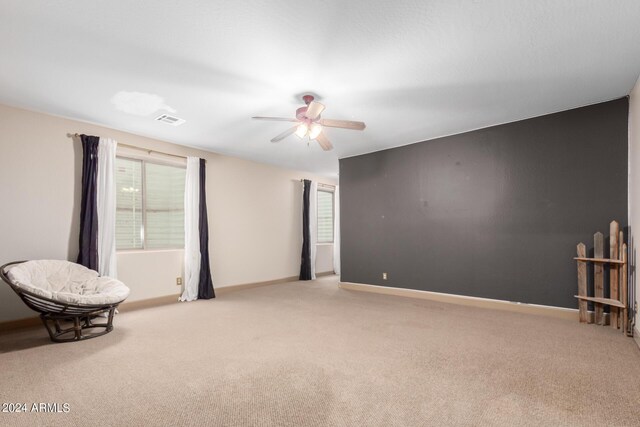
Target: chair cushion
67 282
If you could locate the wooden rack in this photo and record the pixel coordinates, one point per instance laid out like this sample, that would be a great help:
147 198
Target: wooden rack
618 280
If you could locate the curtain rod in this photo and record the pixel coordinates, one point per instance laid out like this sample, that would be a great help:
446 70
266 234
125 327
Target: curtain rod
324 185
77 135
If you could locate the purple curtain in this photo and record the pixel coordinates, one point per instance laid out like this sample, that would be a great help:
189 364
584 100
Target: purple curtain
305 264
205 285
88 254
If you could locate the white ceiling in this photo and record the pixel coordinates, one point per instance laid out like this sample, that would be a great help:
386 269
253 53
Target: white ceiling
412 70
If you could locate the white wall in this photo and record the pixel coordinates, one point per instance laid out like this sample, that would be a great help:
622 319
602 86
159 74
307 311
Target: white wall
634 180
151 274
254 210
324 258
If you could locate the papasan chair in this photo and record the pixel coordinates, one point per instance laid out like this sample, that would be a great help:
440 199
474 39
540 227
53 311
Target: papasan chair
62 291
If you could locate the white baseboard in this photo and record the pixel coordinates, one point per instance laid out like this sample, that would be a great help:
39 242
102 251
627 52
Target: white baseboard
544 310
232 288
29 322
325 273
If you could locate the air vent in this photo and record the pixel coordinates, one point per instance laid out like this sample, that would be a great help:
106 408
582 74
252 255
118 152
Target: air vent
171 120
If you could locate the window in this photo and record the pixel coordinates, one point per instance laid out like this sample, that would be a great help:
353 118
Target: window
325 216
149 205
129 229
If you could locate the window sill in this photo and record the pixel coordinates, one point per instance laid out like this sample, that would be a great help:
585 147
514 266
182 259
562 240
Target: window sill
146 251
324 244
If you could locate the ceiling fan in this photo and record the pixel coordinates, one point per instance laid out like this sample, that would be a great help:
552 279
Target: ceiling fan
309 123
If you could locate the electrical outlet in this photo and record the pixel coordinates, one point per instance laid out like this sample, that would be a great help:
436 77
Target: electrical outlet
384 276
178 281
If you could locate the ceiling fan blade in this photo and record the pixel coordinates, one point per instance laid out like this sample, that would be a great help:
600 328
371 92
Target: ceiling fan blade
313 110
324 142
343 124
277 119
285 134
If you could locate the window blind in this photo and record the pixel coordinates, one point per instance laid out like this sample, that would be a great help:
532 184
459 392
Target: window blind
149 211
325 216
128 204
164 206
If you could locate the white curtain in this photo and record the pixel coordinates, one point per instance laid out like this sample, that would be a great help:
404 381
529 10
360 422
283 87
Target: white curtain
313 225
106 205
336 230
191 232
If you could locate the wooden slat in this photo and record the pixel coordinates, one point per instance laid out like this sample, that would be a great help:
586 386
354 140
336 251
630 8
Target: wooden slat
614 230
599 260
582 283
620 242
623 290
598 276
607 301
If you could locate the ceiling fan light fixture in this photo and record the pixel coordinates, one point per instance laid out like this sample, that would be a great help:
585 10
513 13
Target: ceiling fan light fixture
302 130
308 123
315 130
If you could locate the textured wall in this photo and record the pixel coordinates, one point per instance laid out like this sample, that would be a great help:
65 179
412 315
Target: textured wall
491 213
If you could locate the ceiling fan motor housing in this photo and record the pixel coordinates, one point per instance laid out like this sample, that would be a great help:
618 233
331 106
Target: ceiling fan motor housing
301 114
302 111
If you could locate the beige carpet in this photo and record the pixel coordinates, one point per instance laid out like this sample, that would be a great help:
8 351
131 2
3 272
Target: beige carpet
310 354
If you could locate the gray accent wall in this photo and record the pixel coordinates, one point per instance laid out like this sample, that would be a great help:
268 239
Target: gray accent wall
493 213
